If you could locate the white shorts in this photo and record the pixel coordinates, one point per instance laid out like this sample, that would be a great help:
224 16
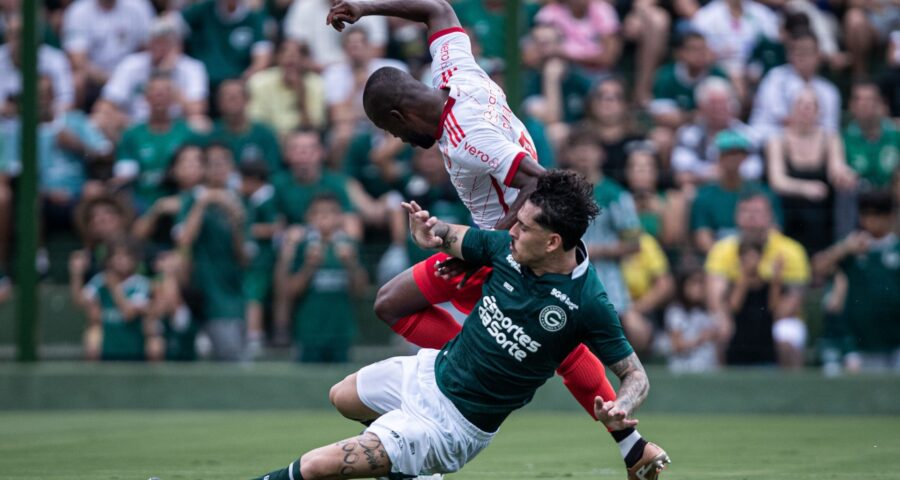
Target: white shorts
420 428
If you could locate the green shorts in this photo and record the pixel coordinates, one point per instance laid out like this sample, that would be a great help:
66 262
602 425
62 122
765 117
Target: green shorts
257 285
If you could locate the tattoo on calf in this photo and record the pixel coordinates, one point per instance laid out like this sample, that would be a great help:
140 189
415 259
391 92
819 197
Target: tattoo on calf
368 446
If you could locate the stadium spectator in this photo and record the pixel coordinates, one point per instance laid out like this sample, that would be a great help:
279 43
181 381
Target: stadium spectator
777 258
663 212
752 301
590 32
8 171
805 167
732 28
712 213
613 235
97 35
262 226
52 63
304 24
866 26
210 226
563 87
186 172
871 139
675 85
693 332
228 37
169 315
68 145
649 280
290 95
115 301
318 271
123 100
779 88
246 138
611 122
890 78
101 221
146 149
345 81
695 159
646 25
869 327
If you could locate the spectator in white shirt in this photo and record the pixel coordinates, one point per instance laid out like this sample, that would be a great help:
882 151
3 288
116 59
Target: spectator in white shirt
695 158
304 23
98 34
51 63
732 28
781 85
122 101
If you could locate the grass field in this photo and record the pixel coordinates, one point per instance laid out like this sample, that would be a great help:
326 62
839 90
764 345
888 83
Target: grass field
238 445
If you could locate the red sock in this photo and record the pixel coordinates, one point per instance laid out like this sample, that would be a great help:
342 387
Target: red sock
585 377
429 328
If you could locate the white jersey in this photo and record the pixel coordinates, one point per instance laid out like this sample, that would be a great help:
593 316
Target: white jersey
481 139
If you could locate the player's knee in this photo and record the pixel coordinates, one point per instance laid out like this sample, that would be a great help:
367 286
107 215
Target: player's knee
314 465
341 394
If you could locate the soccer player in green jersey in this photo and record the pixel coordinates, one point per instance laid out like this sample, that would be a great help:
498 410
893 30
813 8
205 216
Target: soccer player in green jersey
434 412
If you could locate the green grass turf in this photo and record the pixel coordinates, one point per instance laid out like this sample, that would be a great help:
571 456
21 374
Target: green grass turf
238 445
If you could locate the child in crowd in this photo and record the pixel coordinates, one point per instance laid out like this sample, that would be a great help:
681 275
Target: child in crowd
262 226
692 330
320 268
115 301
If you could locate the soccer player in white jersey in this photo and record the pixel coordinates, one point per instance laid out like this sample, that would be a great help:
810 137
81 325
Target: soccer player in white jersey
492 163
433 412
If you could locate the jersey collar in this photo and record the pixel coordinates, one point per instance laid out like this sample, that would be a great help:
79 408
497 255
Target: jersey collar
448 106
581 256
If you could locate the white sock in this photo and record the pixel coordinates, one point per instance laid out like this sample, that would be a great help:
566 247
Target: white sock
628 443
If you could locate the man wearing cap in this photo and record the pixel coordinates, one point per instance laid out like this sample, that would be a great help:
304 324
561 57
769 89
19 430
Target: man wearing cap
712 215
122 101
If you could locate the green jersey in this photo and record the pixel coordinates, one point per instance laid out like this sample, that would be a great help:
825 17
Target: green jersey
293 198
216 271
714 207
122 340
225 46
674 87
258 142
148 154
261 210
872 309
358 165
520 331
323 314
874 160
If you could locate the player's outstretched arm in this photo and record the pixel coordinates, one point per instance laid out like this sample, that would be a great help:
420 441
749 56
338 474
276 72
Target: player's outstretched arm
430 233
632 392
437 14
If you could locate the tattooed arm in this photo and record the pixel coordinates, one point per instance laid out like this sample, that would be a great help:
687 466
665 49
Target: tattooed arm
631 394
430 233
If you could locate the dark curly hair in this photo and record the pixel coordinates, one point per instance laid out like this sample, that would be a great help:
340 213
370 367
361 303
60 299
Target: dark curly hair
567 205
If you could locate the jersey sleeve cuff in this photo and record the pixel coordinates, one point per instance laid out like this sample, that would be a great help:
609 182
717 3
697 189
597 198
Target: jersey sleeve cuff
513 169
440 33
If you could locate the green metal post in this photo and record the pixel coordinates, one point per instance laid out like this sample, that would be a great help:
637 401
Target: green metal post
26 197
512 74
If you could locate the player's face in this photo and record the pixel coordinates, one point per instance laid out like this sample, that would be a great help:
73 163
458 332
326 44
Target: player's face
529 239
407 133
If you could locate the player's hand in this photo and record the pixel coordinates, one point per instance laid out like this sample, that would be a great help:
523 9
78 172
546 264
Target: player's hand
342 13
421 225
612 416
454 267
857 243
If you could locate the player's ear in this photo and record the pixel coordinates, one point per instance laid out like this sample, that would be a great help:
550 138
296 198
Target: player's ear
397 116
554 241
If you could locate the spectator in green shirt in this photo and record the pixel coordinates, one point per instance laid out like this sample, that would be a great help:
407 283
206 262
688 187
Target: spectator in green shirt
712 214
146 149
871 140
228 37
246 138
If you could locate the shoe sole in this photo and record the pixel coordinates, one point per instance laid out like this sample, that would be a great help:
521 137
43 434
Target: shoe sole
652 470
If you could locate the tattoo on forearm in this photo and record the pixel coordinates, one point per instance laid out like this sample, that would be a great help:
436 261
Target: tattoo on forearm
366 446
449 241
634 386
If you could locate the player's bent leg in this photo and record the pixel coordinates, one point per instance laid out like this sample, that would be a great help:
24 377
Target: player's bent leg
345 398
358 457
406 304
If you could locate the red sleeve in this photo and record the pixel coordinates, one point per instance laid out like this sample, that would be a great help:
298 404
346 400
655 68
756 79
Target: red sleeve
513 169
440 33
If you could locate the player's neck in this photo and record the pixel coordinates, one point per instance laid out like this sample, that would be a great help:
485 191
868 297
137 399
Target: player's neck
434 106
562 263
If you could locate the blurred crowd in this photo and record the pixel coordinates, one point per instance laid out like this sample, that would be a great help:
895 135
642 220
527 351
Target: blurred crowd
215 162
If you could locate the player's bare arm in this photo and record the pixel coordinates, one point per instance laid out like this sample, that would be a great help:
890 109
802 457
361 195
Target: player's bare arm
430 233
525 180
631 394
437 14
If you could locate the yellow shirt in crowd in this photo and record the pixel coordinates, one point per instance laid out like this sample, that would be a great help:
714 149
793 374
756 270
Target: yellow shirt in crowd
723 259
643 268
